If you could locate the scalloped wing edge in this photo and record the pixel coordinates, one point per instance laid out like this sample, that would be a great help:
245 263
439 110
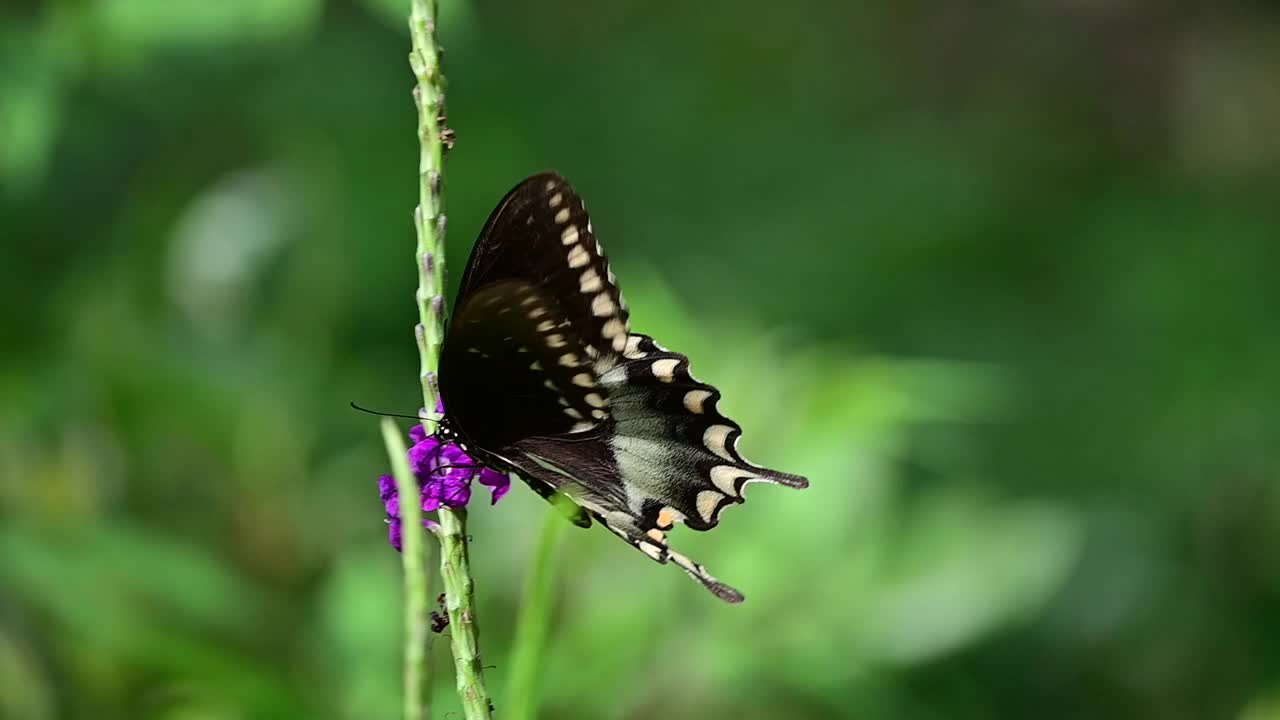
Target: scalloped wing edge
726 472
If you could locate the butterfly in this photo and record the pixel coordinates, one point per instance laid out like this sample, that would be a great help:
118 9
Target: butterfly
541 376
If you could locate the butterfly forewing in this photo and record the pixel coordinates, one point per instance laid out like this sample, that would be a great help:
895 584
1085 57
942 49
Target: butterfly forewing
541 233
514 367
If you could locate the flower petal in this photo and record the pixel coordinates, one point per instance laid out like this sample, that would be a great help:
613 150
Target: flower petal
451 456
431 494
499 481
444 472
417 434
396 534
386 487
422 455
390 496
499 492
456 487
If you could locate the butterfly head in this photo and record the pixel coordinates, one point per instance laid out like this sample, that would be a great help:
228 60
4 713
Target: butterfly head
446 432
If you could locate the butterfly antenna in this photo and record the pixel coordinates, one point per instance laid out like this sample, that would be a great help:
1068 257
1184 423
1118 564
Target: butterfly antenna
387 414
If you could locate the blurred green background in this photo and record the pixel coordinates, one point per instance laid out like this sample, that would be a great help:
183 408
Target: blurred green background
1001 279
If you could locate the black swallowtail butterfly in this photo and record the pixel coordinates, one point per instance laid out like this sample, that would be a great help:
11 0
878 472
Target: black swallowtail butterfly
541 376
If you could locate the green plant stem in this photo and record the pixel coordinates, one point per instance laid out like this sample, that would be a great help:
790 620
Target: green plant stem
460 603
429 221
429 218
534 622
416 581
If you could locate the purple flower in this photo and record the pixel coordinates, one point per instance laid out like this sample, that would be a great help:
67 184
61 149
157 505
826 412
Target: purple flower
444 474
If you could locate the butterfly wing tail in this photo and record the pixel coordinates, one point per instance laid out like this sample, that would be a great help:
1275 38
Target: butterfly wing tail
654 544
699 573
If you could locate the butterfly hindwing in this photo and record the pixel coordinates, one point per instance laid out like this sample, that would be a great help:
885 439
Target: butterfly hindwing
584 470
671 439
667 455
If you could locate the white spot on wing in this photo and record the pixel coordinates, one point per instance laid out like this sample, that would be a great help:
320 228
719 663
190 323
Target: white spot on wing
614 328
633 348
714 439
578 257
650 549
590 281
573 413
570 235
562 216
669 516
708 501
584 380
665 369
694 399
569 360
595 400
555 200
599 414
556 340
545 326
723 477
602 305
